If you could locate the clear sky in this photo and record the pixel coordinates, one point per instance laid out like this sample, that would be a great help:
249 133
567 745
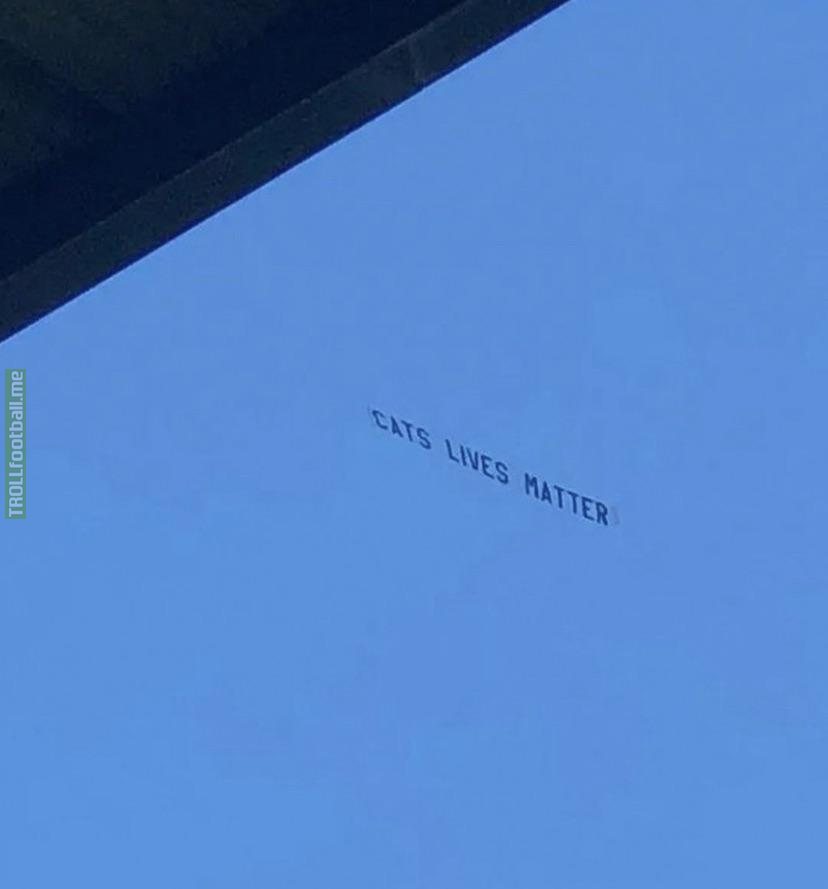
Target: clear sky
249 639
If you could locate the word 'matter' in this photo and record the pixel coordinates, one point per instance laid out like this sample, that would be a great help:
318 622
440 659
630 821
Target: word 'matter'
494 469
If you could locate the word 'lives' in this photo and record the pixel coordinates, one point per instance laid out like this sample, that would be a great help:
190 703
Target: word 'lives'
498 471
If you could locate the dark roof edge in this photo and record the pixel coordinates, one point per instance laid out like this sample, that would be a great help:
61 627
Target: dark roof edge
63 270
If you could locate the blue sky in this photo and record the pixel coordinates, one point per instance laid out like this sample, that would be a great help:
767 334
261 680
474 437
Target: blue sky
248 639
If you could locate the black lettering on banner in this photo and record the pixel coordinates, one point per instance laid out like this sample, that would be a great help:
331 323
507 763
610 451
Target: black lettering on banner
485 465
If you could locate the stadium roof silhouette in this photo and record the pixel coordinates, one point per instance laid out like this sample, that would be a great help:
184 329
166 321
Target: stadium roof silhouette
125 123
